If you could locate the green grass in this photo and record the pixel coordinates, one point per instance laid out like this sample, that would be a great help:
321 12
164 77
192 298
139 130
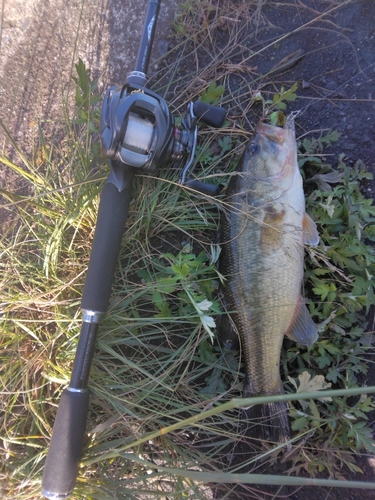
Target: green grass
163 418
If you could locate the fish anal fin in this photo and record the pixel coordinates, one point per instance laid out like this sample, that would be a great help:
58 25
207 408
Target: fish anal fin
302 329
310 232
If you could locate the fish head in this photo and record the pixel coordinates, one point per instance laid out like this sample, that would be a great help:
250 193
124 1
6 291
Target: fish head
272 154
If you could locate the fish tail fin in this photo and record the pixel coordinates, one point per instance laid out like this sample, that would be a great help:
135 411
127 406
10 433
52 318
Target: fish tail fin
269 422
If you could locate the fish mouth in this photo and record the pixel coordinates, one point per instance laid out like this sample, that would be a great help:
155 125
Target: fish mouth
280 143
280 135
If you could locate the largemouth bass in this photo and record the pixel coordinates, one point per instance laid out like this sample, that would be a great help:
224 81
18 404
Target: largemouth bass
263 235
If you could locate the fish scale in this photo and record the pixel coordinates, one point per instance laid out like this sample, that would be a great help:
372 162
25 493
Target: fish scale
263 234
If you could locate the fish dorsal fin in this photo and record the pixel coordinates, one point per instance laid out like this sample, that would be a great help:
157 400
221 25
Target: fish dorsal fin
310 233
302 329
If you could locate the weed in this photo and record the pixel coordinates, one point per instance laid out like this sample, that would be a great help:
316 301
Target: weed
274 107
191 279
213 93
338 282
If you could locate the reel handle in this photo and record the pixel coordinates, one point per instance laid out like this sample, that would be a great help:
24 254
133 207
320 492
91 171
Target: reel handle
202 187
211 115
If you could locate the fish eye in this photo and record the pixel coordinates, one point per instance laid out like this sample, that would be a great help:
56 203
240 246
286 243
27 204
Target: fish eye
253 147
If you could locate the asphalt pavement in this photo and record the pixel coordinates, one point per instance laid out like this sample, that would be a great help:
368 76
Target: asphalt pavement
41 40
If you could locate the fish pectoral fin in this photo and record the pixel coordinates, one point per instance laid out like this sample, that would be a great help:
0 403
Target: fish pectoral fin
303 330
272 230
310 233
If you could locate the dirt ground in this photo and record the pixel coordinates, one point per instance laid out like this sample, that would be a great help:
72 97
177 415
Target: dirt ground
336 78
337 74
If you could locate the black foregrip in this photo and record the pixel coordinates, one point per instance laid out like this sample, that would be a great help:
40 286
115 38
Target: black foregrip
212 115
113 211
64 454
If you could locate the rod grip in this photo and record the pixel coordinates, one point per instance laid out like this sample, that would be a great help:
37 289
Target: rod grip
112 214
65 450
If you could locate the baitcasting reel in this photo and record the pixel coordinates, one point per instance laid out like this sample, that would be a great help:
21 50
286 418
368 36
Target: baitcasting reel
138 130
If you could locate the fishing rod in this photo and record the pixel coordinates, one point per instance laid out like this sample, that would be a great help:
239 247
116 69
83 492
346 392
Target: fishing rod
138 134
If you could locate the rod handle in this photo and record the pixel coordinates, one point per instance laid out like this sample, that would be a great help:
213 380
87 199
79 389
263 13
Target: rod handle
110 225
65 450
